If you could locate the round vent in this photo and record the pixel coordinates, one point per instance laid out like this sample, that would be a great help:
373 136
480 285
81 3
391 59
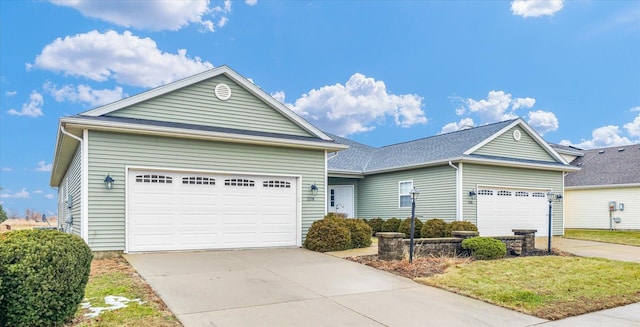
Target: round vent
517 135
223 92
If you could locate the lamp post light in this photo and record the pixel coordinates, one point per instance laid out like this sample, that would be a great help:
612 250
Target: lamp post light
414 195
551 197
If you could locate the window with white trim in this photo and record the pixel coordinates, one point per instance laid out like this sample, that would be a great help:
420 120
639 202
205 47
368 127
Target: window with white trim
538 195
504 193
485 192
276 184
403 193
522 194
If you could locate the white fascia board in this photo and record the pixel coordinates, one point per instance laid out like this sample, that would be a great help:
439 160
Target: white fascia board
195 134
595 187
251 87
529 130
344 174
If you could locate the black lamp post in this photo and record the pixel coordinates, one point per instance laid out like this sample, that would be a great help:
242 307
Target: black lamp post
414 195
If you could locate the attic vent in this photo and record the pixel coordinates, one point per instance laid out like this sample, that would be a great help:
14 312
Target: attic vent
517 135
621 149
223 92
601 152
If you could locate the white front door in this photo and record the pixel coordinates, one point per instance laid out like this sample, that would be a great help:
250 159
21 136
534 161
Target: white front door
341 200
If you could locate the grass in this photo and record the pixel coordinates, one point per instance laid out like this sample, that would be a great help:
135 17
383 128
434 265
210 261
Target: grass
549 287
17 224
115 277
608 236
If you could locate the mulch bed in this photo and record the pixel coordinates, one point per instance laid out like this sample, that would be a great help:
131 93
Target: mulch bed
421 266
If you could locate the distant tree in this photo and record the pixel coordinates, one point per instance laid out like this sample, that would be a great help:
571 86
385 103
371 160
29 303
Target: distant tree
3 214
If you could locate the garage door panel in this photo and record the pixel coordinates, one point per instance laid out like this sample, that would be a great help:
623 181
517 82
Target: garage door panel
208 211
502 209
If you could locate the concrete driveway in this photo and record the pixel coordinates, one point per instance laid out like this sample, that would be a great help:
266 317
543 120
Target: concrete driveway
297 287
592 249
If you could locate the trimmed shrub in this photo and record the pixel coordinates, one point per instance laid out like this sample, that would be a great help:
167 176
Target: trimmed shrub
44 274
405 227
485 248
391 225
434 228
360 233
461 226
375 224
328 235
336 215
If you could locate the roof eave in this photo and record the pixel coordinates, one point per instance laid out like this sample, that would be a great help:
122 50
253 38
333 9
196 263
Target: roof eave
593 187
75 122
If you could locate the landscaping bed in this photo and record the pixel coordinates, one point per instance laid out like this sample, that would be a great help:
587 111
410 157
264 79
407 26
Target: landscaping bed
607 236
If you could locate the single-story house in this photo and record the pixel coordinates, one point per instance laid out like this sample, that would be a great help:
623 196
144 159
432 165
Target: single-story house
496 176
605 192
212 161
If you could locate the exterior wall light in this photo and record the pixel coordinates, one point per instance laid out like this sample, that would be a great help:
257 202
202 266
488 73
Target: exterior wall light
472 196
314 189
108 182
414 195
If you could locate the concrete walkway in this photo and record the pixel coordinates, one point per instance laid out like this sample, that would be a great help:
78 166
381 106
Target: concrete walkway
297 287
592 249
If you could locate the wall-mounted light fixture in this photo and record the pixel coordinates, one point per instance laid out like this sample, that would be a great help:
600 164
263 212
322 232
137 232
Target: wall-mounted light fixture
108 182
472 196
314 189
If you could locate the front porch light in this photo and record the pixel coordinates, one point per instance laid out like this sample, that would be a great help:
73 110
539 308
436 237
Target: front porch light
314 189
108 182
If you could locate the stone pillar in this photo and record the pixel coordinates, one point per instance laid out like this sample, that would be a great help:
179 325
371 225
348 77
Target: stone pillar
464 234
390 246
529 242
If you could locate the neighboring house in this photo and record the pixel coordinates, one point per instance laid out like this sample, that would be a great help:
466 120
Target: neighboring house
210 161
608 178
496 176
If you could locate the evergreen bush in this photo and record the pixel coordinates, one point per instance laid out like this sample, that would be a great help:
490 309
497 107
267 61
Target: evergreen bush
485 248
434 228
405 227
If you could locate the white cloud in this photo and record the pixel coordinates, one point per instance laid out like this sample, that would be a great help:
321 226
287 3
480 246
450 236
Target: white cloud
633 128
543 121
500 106
223 21
43 166
635 109
601 137
278 95
50 196
149 15
7 169
251 2
37 192
23 194
10 93
452 127
536 8
33 108
84 93
357 106
125 58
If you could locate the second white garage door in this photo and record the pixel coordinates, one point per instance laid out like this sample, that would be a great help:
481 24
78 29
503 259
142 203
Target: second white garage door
502 209
193 211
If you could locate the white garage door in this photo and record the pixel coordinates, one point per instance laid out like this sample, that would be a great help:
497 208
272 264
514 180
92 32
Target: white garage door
189 211
502 209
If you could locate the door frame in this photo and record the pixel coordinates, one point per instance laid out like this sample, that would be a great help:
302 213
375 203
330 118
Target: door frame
353 197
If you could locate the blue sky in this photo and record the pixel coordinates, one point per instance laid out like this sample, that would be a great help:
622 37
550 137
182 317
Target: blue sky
378 72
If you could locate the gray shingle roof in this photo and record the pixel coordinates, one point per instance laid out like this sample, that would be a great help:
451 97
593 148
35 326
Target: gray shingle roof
606 166
362 158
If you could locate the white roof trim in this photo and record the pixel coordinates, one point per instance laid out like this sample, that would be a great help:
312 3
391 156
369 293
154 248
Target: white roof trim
72 122
606 186
252 88
530 131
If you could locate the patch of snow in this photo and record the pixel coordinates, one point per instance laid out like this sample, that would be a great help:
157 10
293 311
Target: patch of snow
113 302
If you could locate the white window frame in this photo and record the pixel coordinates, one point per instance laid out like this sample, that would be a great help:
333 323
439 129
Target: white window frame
400 194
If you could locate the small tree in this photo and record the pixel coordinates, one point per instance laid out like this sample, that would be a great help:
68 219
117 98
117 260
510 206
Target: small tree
3 214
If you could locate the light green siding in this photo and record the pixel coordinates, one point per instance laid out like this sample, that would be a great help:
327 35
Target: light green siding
506 146
379 194
348 181
110 153
71 185
474 175
197 104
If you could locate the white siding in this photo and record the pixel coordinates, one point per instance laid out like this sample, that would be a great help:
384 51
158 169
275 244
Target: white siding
589 208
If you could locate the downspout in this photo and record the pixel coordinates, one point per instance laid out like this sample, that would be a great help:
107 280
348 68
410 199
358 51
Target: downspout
83 228
69 220
458 191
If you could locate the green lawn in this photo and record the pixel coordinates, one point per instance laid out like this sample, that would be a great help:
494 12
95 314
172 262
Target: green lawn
609 236
550 287
115 277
